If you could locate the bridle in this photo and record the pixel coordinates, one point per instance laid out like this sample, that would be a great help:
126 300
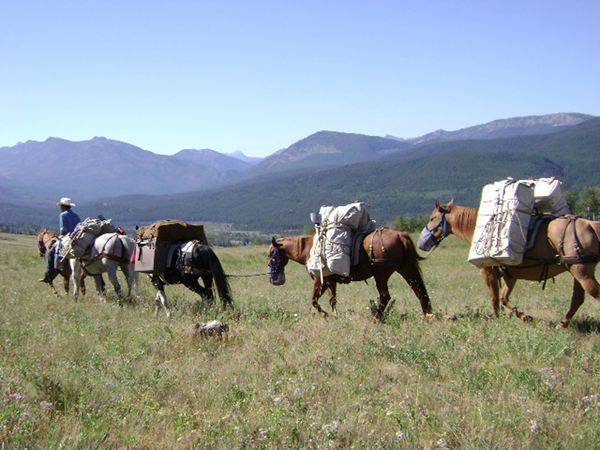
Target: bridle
443 224
275 259
42 243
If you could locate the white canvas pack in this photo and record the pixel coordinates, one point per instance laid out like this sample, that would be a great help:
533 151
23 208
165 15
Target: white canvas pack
550 197
500 236
332 253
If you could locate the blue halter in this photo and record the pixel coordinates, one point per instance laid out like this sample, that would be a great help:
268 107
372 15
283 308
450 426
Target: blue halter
427 240
442 223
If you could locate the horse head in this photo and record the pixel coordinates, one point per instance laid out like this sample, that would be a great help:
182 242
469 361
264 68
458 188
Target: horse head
45 240
278 259
437 227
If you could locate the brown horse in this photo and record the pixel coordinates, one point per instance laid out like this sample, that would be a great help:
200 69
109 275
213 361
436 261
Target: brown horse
566 243
45 240
393 251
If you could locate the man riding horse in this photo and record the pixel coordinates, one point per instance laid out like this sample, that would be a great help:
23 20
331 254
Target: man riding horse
68 220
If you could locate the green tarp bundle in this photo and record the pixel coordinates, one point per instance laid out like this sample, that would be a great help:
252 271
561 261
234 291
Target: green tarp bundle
173 231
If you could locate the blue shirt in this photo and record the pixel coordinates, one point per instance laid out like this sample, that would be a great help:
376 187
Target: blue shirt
68 221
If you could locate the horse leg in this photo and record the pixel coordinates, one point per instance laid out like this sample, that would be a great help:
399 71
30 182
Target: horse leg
114 279
507 288
318 290
491 276
331 290
76 277
210 296
576 301
50 283
413 277
191 282
384 295
585 281
66 278
131 277
100 288
161 297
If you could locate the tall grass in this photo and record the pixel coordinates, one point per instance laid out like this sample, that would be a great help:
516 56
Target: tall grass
96 375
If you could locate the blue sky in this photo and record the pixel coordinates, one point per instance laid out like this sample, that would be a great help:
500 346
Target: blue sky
257 76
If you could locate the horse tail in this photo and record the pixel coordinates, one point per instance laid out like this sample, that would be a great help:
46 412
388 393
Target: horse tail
412 257
219 276
128 246
410 246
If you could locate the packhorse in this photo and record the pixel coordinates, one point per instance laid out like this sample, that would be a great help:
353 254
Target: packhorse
46 239
187 267
109 252
383 252
566 243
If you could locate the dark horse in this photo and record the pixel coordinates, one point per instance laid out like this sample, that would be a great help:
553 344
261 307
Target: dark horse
186 268
383 252
566 243
45 240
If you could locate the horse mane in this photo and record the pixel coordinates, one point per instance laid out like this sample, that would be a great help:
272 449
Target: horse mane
466 217
465 220
298 246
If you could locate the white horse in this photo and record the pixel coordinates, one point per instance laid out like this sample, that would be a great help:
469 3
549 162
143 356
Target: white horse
109 252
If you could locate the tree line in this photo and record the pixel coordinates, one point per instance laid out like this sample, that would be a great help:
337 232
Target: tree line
584 204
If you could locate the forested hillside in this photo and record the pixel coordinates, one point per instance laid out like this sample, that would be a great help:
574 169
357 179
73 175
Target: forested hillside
407 184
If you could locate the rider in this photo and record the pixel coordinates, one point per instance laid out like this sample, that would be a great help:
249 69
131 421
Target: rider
68 220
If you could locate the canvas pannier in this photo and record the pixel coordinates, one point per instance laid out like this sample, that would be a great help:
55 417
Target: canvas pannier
152 255
550 197
505 212
154 242
331 252
82 238
500 233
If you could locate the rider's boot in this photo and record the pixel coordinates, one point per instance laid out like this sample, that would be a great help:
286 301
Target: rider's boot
48 277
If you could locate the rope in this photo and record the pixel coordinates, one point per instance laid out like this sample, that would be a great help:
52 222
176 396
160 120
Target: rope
245 276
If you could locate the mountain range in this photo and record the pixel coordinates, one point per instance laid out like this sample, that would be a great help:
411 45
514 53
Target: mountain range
325 168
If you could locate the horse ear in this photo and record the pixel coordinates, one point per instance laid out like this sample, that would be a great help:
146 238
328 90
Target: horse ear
437 205
451 204
273 241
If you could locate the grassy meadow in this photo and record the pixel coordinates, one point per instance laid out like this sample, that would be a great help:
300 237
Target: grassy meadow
95 375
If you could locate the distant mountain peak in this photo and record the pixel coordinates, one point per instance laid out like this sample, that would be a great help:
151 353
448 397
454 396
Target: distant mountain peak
238 154
210 158
515 126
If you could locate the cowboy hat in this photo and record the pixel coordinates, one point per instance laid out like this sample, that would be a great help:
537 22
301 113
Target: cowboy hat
66 201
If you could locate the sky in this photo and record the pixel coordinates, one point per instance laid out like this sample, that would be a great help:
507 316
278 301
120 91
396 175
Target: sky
259 75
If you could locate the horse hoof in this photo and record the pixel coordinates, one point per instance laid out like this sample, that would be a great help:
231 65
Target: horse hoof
527 319
561 326
429 317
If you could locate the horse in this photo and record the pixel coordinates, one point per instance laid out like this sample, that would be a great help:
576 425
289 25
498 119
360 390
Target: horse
45 240
109 252
186 268
394 252
566 243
